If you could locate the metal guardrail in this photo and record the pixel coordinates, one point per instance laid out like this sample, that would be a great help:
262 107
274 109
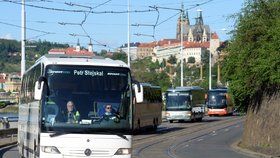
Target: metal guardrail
8 137
4 133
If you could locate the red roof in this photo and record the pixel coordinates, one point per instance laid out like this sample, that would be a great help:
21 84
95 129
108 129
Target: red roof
71 51
196 44
215 36
175 42
2 80
190 44
158 43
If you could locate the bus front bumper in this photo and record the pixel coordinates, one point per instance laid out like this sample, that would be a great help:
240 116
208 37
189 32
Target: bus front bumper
217 111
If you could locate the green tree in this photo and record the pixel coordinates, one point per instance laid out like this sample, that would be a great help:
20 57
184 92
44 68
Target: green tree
191 60
252 66
120 56
172 59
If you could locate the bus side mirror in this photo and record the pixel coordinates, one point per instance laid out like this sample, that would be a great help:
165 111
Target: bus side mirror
38 90
139 94
39 86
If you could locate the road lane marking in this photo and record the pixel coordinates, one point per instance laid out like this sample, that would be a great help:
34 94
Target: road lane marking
200 140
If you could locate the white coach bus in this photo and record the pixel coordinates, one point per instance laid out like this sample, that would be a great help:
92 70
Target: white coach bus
63 108
148 114
185 104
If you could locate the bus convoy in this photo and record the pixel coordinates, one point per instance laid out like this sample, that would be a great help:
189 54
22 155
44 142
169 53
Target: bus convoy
79 106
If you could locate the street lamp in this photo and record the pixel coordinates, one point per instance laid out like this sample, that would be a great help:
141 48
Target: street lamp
23 34
128 33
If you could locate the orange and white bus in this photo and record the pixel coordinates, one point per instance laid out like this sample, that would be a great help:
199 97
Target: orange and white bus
218 102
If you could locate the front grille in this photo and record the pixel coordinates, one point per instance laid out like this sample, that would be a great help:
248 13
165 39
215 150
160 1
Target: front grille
81 153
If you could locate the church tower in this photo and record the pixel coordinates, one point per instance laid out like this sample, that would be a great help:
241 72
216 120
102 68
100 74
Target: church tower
190 36
199 26
78 47
185 25
204 36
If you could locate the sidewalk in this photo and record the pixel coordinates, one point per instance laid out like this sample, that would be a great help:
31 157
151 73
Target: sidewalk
235 146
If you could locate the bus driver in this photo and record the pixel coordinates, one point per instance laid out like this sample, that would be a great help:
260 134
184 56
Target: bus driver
72 115
108 110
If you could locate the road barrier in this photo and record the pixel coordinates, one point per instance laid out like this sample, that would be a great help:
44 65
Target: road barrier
8 137
8 132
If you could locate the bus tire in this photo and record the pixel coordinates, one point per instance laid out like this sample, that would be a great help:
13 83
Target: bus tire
170 121
192 119
22 151
154 125
138 125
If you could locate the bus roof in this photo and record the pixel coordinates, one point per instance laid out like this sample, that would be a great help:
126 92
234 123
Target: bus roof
190 88
62 59
218 90
149 85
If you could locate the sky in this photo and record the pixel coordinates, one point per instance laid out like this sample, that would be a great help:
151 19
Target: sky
64 21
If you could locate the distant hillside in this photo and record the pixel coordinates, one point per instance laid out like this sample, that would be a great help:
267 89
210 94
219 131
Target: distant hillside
10 53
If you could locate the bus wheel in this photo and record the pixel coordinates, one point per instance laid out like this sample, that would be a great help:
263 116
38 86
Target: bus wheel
155 124
138 125
193 120
199 119
170 121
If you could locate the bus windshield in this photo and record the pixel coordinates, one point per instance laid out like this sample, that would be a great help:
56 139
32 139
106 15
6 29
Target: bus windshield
178 101
86 99
217 100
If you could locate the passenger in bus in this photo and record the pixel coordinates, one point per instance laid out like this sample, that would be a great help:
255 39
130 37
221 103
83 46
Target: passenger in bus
72 115
107 111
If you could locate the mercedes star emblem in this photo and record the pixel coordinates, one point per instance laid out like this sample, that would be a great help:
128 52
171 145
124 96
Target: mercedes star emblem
87 152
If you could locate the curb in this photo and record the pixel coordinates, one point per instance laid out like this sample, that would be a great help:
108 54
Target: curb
235 146
8 144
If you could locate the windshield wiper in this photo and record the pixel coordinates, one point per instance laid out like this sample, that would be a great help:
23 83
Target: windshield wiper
87 130
116 133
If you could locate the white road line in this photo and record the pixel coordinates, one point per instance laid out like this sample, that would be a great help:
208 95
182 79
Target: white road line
200 140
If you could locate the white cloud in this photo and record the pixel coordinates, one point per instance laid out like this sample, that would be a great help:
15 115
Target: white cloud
7 36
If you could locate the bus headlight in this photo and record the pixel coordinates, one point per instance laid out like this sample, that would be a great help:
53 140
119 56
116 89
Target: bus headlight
50 149
167 114
123 151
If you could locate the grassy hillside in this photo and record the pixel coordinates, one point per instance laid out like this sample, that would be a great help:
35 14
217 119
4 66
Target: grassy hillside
10 53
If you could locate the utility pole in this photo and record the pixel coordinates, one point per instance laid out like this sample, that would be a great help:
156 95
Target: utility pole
210 64
219 74
23 34
181 52
128 33
201 71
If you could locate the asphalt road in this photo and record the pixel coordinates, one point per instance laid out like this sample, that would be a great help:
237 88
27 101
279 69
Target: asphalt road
9 152
211 138
216 144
